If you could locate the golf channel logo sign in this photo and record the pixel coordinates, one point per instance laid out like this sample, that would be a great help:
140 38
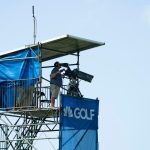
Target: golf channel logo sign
79 113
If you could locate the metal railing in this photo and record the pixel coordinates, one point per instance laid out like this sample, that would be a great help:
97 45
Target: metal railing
43 96
26 94
22 94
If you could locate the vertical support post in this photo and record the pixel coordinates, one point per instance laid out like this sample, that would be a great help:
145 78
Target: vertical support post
78 59
78 63
6 130
60 122
34 25
40 60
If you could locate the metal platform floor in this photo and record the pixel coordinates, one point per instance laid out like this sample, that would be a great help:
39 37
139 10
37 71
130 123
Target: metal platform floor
50 112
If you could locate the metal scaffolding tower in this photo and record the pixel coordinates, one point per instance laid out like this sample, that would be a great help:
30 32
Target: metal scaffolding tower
23 124
19 130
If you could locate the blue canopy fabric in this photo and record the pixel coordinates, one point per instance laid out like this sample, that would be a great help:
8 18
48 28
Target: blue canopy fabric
19 71
20 65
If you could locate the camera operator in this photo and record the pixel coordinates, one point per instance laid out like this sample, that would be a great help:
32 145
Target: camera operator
55 81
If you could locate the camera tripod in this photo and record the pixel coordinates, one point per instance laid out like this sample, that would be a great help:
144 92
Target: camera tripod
73 88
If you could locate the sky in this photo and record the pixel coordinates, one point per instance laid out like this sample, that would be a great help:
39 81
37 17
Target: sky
120 68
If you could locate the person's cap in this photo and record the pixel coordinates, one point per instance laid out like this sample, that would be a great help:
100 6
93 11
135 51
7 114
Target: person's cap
56 64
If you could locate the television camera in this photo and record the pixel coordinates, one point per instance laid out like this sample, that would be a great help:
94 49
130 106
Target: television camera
74 76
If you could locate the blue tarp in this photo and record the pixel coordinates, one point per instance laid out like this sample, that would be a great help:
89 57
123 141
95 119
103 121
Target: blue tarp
20 65
79 123
18 70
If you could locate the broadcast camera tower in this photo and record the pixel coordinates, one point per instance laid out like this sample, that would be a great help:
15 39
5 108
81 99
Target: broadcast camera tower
26 116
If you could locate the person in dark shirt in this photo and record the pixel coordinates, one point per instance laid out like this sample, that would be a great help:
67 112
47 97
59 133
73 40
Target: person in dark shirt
56 82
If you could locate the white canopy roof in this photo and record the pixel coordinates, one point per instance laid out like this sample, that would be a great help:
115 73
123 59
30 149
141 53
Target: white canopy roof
60 46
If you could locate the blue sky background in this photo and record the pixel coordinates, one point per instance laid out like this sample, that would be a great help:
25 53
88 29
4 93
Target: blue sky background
120 68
